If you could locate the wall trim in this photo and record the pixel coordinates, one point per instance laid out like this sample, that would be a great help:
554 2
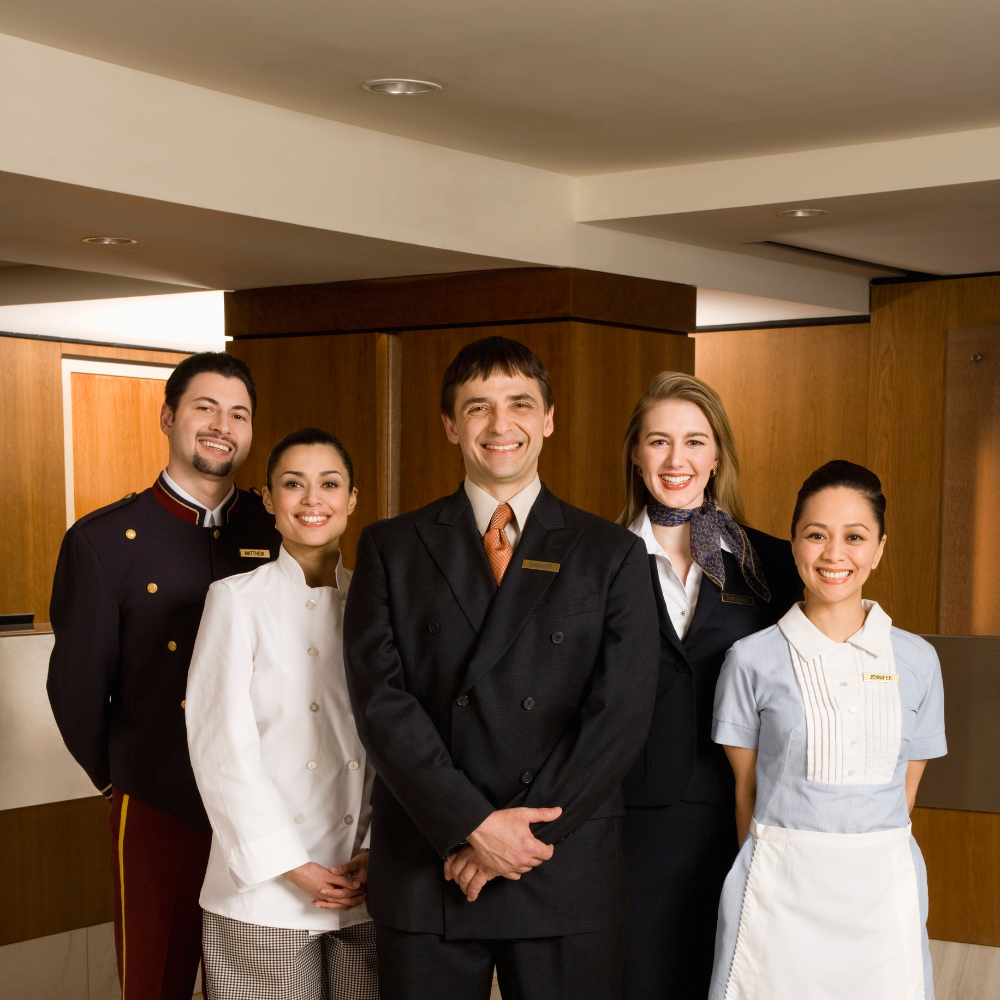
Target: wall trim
782 324
92 343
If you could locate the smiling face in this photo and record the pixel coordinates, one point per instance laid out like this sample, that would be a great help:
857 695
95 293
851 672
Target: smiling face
676 451
500 424
211 430
836 545
310 496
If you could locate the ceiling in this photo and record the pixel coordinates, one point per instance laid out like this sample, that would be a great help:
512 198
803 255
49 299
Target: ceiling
575 86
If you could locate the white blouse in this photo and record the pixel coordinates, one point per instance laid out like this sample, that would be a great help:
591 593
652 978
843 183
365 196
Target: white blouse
277 756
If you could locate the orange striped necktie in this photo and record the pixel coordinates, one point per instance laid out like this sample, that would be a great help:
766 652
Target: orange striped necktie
496 542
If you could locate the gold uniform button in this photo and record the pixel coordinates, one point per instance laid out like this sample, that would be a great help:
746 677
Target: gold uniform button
152 588
130 534
171 645
216 533
183 703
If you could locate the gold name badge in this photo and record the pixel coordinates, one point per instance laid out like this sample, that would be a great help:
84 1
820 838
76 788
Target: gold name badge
543 566
255 553
884 678
737 599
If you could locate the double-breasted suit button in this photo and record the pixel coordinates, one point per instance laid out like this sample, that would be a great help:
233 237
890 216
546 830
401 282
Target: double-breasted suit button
462 700
152 588
526 777
528 703
310 605
314 706
557 637
311 765
216 533
312 651
679 666
130 534
348 819
172 646
433 628
352 765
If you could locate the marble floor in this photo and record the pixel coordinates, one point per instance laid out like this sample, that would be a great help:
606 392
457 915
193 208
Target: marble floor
80 965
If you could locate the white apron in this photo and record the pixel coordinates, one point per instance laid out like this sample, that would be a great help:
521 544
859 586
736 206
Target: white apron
829 916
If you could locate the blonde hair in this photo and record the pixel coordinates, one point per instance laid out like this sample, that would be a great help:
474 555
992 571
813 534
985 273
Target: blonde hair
724 488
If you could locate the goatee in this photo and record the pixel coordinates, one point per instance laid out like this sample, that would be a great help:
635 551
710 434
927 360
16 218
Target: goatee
220 469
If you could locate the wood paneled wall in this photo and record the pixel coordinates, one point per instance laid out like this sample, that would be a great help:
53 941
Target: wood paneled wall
598 373
32 480
327 382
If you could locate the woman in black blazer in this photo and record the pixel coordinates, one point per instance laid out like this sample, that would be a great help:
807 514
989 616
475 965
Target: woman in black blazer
716 580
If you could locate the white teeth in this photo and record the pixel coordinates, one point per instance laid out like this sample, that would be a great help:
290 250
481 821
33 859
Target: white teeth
215 445
313 518
840 574
676 480
501 447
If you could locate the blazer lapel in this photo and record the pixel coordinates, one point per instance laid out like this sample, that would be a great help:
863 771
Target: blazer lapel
544 538
667 629
710 596
454 544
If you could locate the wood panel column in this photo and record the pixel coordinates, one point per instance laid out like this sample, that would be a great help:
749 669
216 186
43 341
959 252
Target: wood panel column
364 360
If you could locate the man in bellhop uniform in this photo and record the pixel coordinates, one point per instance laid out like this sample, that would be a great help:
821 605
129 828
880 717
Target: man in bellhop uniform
128 595
502 653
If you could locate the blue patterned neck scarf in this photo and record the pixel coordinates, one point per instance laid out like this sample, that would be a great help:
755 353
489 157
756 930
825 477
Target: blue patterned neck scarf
708 524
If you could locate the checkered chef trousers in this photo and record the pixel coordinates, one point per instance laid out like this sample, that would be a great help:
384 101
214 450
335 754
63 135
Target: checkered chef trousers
249 962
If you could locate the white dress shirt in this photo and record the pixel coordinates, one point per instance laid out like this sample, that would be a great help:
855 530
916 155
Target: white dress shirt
277 756
484 506
213 519
680 598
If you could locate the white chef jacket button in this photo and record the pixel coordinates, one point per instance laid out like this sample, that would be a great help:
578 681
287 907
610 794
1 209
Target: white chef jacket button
314 706
352 765
312 651
843 684
851 772
299 818
854 743
310 605
852 710
311 765
348 820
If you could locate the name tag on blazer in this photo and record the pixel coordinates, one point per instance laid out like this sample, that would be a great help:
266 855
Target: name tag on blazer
255 553
543 566
884 678
737 599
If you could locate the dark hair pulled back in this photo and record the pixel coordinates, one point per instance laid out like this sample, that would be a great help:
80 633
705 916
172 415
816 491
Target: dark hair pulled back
841 473
309 435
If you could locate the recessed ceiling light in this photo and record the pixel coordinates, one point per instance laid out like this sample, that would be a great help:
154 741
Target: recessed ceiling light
401 87
801 213
108 240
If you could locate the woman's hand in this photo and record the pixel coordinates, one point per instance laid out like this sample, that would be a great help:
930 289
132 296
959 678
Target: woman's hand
349 884
744 765
314 879
914 772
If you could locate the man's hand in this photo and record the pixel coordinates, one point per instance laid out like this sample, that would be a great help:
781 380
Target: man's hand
504 843
469 872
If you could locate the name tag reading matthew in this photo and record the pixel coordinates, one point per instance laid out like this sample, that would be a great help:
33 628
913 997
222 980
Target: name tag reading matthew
884 678
737 599
255 553
543 566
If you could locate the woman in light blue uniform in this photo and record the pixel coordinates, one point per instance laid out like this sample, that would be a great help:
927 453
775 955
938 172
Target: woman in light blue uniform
828 719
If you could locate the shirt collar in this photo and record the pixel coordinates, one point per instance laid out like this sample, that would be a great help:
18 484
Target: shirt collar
484 505
643 527
206 516
292 571
809 642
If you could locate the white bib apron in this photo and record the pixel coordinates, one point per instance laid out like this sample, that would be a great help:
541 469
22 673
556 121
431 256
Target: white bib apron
829 916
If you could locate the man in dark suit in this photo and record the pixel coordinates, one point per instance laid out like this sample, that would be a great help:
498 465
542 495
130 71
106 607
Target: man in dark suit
502 651
128 595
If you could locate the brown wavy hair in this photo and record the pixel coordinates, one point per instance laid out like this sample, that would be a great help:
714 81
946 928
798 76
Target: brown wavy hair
724 488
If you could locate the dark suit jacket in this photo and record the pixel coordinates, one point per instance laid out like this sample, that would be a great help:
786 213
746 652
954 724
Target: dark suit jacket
679 760
129 590
471 698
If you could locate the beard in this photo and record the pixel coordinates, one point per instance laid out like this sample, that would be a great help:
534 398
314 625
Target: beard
219 469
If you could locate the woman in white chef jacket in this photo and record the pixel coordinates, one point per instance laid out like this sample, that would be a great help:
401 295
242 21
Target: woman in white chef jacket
828 719
277 757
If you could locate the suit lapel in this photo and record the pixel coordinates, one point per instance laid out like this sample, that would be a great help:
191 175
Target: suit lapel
544 538
667 629
710 596
454 544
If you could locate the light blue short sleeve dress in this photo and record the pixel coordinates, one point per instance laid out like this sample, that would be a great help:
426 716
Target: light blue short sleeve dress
827 899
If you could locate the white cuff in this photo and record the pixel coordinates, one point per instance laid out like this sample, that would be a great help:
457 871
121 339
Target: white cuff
251 864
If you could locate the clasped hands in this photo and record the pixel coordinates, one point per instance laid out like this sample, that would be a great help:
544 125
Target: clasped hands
339 888
502 844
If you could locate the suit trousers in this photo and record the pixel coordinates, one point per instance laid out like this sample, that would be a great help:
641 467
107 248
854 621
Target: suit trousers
158 863
676 859
415 966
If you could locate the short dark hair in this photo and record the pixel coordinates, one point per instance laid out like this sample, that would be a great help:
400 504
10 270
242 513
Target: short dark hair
216 362
309 435
483 358
841 473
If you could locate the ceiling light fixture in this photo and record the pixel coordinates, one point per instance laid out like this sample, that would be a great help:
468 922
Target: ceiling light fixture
108 240
801 213
399 88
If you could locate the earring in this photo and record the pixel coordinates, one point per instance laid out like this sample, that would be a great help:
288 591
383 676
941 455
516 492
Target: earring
712 473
